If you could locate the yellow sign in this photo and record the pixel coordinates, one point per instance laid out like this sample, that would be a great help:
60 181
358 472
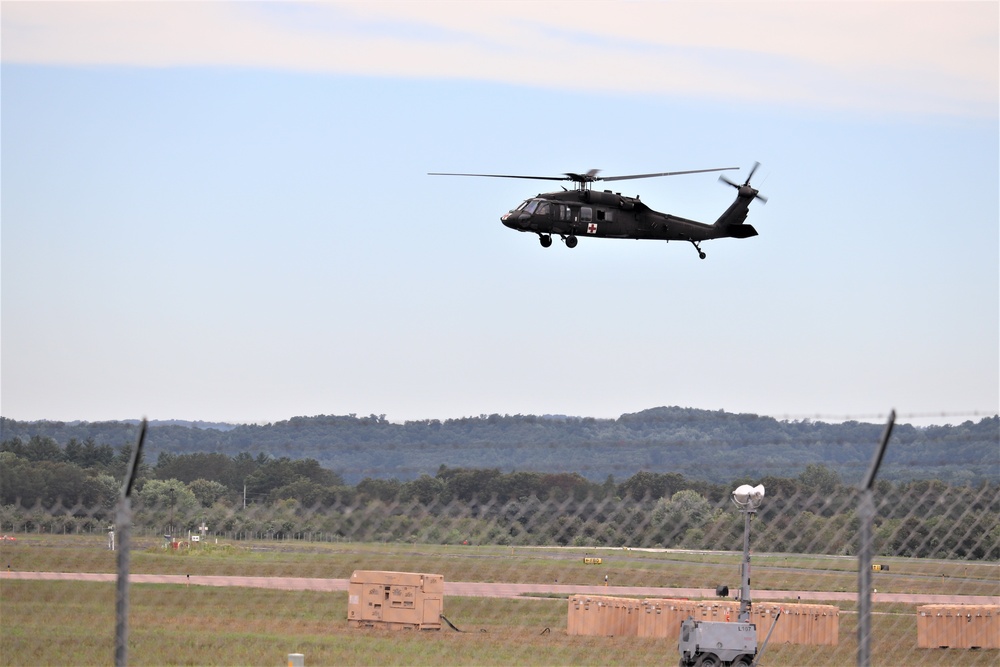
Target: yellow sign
592 561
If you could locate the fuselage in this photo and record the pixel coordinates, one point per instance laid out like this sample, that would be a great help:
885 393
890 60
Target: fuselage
602 214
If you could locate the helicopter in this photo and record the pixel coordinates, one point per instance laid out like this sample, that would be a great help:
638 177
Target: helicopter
584 211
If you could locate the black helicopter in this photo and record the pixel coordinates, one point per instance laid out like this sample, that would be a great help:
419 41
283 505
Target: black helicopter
607 214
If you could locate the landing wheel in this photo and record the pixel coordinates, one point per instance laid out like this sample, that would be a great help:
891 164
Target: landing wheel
701 254
571 241
545 240
697 246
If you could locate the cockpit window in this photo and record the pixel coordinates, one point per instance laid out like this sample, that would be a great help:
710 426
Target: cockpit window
543 208
529 206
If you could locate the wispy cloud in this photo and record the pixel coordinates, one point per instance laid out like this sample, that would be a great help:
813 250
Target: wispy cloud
918 57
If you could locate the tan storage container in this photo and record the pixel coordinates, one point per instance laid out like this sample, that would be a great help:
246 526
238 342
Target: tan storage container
763 616
926 629
816 624
397 600
806 624
958 626
668 614
662 618
586 614
604 616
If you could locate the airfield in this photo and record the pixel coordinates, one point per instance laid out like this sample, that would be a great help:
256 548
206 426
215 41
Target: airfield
252 604
501 590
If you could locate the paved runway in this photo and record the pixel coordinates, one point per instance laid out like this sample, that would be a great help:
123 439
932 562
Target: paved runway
477 589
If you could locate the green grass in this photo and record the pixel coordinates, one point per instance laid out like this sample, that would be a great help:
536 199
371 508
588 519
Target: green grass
62 623
501 564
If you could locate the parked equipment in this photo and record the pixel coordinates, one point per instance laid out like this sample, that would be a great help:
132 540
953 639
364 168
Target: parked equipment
395 600
717 643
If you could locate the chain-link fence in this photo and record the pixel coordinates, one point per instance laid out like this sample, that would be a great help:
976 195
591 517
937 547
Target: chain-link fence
933 543
924 520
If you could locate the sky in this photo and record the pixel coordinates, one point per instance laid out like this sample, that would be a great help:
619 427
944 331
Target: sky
221 211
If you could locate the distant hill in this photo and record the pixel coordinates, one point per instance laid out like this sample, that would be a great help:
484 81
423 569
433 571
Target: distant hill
715 446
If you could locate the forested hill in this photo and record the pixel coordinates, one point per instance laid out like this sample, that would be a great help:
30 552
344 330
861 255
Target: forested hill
712 445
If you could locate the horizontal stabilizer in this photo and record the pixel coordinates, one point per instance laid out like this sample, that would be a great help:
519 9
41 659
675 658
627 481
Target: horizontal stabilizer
741 231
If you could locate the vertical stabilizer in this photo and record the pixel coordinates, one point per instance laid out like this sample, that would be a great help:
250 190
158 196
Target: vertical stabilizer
731 222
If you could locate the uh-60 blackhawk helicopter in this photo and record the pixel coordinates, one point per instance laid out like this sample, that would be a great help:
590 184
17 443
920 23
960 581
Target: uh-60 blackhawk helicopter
610 215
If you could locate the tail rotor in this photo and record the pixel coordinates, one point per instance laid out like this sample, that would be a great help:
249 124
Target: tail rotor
744 189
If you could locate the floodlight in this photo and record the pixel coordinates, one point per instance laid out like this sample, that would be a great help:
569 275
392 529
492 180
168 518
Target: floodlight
741 496
748 497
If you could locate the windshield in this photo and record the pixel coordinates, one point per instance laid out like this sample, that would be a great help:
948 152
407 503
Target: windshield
528 205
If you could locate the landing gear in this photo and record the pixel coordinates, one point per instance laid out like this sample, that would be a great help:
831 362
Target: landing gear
697 247
546 240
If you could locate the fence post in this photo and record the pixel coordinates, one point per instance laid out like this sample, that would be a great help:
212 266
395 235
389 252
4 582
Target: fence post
866 515
124 521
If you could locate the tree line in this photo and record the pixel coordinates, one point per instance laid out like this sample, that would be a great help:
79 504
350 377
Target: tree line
715 446
73 488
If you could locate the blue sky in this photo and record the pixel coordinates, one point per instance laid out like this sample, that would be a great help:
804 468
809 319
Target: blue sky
220 211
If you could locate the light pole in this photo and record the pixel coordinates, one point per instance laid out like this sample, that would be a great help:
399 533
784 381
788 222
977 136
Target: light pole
715 643
748 499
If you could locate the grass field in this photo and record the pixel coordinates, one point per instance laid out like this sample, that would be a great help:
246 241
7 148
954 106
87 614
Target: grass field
72 623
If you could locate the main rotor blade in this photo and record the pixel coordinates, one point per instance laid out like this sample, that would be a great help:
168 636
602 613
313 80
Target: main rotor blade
665 173
535 178
584 178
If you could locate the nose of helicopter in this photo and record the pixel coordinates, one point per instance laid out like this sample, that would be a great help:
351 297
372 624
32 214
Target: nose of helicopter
515 219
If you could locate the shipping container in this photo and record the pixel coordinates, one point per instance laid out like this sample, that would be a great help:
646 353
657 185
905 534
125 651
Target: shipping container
661 618
958 626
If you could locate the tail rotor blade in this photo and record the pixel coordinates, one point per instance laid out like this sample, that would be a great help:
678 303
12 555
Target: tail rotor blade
746 190
728 182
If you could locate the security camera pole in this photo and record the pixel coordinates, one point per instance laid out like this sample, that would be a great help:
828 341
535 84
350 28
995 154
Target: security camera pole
124 521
